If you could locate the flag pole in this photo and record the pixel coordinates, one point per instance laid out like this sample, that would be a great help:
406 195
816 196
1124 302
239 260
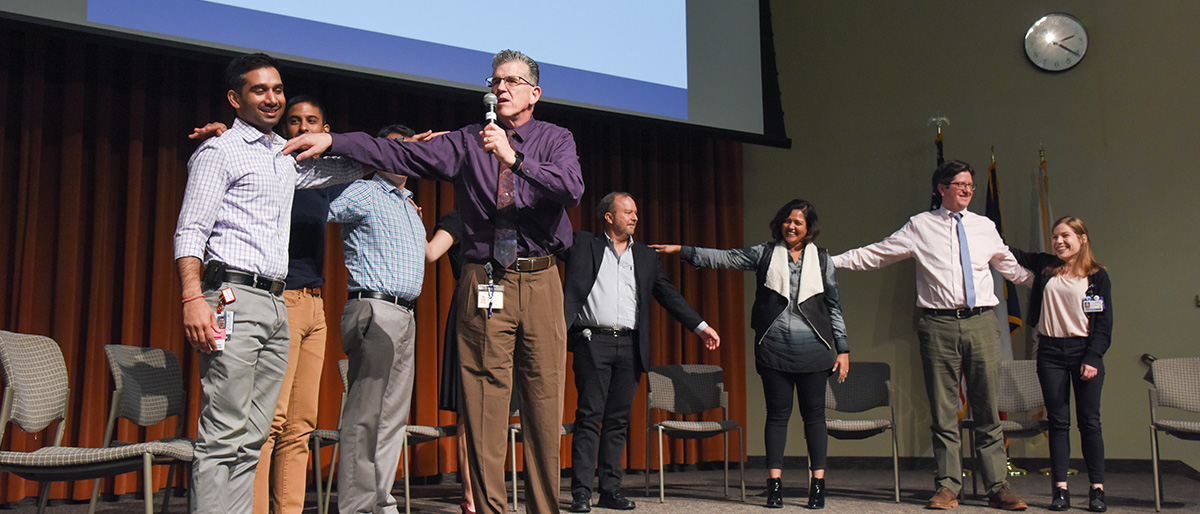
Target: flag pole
1043 184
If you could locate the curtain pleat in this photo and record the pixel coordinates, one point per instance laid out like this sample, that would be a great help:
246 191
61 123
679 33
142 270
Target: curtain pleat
93 154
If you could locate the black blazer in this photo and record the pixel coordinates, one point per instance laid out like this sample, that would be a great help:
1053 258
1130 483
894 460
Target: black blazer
1099 323
583 263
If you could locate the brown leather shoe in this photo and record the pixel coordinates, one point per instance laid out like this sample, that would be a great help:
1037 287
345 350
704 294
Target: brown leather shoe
1004 499
943 499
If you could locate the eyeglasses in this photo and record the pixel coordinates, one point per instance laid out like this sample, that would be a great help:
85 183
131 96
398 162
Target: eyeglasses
510 81
963 185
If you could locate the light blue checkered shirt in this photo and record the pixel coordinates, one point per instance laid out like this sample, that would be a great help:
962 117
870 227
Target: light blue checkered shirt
382 237
237 207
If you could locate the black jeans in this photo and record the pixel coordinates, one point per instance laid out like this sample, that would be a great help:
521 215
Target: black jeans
1058 364
810 390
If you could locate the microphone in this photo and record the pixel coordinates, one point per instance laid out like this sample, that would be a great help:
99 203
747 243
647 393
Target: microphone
489 101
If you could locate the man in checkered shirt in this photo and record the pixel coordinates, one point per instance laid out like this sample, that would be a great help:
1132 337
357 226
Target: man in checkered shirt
384 244
236 219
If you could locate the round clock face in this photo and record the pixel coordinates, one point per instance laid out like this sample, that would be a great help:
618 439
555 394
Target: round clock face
1056 42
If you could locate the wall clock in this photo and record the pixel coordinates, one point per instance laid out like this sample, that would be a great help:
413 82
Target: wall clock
1056 42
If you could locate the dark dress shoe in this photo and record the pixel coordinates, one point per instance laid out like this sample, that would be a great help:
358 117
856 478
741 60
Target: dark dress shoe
816 494
1096 500
775 493
581 502
616 501
1060 499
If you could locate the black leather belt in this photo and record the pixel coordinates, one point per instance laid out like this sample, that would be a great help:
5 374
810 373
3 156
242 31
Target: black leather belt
527 264
372 295
614 332
256 281
958 313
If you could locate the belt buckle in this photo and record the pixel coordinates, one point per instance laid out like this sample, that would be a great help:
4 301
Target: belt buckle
962 313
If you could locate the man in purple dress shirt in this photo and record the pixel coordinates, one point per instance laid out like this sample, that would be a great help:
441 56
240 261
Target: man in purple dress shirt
513 181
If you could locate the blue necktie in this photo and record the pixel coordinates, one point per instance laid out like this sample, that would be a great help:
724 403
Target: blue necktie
964 257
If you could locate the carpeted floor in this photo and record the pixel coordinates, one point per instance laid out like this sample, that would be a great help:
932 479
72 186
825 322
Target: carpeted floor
854 491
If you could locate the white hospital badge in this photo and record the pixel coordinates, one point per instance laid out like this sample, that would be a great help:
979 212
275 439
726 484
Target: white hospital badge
1093 303
489 297
224 329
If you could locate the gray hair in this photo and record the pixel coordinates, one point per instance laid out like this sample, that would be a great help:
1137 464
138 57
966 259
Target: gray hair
513 55
606 203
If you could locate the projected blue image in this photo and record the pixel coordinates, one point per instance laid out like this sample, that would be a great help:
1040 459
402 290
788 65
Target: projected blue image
622 55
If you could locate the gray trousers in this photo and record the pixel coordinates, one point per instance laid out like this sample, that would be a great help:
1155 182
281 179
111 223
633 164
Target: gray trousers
239 389
379 339
951 348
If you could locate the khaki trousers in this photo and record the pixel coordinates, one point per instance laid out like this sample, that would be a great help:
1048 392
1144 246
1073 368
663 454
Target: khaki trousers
524 342
239 391
379 338
952 348
279 484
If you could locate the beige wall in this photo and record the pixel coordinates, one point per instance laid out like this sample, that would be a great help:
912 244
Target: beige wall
1122 138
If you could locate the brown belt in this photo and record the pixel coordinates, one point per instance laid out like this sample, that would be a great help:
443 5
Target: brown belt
527 264
313 291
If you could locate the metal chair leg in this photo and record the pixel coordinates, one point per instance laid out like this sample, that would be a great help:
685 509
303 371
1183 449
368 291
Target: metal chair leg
315 449
43 496
662 486
404 456
333 461
648 459
95 495
512 445
148 481
169 491
742 462
725 436
895 465
1154 460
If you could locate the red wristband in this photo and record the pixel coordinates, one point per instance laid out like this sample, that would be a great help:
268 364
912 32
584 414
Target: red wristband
197 297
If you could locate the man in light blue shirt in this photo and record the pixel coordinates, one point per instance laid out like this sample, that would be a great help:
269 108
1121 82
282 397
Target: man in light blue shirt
384 244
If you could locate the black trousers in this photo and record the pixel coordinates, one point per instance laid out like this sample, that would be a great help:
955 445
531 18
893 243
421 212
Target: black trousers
810 391
1058 364
606 378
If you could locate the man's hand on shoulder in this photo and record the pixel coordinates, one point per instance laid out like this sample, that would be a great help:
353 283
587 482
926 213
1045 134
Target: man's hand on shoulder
309 145
211 129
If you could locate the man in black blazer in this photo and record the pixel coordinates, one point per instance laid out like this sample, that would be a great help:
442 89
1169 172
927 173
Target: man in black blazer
610 279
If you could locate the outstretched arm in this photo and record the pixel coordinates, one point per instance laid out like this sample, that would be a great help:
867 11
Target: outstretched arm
894 248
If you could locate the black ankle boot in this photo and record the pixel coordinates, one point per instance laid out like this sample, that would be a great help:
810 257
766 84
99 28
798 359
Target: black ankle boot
775 493
816 494
1096 500
1060 499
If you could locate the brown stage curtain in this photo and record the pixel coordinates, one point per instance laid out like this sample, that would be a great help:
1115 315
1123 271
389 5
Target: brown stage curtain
93 168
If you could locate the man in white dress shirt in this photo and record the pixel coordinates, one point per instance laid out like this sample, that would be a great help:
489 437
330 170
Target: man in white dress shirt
958 332
236 219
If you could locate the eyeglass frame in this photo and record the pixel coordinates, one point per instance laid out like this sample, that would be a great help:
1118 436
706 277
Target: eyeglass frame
510 81
962 185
